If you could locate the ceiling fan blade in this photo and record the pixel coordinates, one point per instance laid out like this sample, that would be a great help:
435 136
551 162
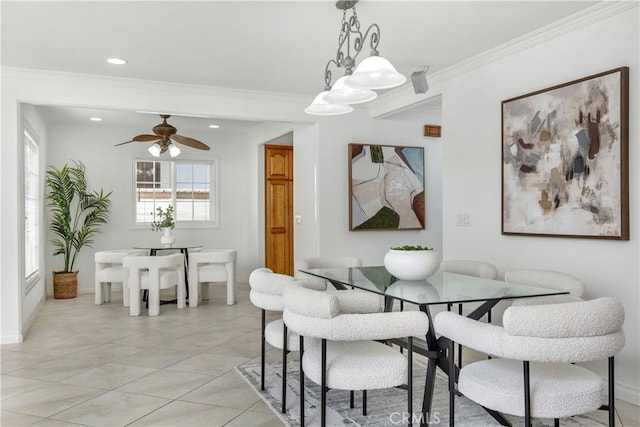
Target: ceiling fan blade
190 142
141 138
144 138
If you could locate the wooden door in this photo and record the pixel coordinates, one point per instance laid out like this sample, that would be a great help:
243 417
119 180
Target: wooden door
279 208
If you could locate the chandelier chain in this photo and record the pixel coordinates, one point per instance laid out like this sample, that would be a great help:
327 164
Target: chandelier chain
349 27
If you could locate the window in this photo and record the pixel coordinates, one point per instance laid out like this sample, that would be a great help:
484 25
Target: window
31 211
189 186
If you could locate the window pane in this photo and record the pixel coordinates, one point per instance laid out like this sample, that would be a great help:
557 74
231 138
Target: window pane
31 208
184 174
184 210
189 191
200 173
201 210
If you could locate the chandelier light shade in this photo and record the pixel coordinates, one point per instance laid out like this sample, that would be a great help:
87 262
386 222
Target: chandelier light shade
340 93
320 107
356 87
375 72
155 150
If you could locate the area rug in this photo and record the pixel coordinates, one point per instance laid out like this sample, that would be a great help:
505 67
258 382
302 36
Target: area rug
384 407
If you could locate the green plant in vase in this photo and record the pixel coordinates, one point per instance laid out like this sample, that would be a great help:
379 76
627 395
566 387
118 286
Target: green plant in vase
411 248
164 221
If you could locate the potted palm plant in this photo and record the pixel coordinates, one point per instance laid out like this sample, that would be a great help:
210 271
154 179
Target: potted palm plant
76 216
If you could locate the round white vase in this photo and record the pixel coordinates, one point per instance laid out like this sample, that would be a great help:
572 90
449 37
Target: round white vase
167 238
412 265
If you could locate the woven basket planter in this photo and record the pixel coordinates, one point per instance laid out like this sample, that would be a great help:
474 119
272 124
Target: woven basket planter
65 285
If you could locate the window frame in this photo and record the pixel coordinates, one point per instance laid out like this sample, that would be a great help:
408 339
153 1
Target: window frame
31 138
214 186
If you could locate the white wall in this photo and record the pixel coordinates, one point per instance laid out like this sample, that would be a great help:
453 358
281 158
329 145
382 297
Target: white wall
331 175
472 159
305 188
112 169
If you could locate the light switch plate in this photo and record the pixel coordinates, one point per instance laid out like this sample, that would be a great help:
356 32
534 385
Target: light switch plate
463 220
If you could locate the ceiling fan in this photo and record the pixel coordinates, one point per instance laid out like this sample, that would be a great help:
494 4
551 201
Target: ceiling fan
164 138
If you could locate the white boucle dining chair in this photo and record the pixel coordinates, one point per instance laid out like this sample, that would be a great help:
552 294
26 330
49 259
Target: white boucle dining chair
154 273
340 330
546 279
474 268
533 372
267 290
211 266
323 262
109 270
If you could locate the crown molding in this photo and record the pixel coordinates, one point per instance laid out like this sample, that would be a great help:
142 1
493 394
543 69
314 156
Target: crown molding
403 97
100 80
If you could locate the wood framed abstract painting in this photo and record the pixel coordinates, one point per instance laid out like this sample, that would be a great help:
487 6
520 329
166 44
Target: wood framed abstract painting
565 159
386 187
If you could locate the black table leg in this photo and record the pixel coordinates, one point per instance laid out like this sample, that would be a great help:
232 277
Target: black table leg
185 252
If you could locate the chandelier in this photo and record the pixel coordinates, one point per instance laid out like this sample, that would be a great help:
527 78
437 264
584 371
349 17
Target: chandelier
356 86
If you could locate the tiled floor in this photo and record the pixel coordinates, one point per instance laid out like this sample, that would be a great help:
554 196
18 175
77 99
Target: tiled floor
83 364
95 366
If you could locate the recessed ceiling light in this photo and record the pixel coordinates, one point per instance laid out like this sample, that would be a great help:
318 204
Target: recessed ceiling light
95 119
116 61
214 126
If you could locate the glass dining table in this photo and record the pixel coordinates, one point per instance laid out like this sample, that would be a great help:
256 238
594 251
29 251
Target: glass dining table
441 288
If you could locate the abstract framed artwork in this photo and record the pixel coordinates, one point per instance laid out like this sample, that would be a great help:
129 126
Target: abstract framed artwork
565 159
386 187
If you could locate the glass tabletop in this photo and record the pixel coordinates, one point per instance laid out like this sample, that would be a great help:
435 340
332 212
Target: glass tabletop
439 288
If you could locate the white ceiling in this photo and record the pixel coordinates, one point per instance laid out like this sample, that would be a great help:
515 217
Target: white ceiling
265 46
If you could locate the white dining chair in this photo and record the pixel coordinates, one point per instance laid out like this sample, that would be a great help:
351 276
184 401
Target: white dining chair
474 268
109 270
267 290
323 262
338 343
546 279
211 266
534 372
154 273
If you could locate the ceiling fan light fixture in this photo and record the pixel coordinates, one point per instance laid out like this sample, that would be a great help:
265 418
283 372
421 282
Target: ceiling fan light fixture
165 138
155 150
320 107
375 72
340 93
174 150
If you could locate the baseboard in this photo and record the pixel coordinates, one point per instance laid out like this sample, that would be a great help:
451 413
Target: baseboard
11 339
27 325
627 393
